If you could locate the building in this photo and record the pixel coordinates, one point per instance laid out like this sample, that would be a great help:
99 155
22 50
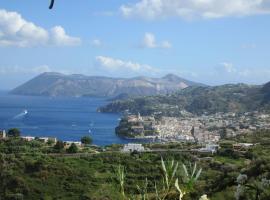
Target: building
3 134
69 143
209 148
133 147
242 146
28 138
137 130
46 139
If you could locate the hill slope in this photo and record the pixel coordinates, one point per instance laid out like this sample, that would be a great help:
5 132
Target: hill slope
199 100
56 84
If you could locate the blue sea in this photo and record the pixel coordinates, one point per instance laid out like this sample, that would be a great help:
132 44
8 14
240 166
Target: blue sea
65 118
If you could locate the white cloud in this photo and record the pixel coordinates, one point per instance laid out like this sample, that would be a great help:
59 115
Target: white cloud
149 41
60 38
188 9
115 65
96 43
16 31
227 67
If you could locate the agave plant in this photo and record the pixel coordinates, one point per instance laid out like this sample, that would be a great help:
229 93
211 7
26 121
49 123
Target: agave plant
168 186
121 180
191 175
170 183
181 193
143 190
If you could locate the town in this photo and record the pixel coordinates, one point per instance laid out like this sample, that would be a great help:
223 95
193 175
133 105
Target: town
205 131
202 129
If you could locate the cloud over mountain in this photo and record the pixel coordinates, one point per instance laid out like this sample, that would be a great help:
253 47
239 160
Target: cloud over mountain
113 64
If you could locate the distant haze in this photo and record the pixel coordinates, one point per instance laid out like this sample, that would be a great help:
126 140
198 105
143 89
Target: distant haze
57 84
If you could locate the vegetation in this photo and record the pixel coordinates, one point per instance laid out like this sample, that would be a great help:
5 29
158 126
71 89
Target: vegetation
72 149
198 100
170 188
86 140
59 146
14 132
32 170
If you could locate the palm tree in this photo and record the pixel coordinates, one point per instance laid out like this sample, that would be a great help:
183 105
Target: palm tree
51 5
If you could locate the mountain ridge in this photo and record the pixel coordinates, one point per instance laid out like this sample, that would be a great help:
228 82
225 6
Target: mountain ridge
238 98
58 84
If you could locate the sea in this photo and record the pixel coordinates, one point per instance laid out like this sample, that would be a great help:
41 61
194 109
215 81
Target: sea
66 118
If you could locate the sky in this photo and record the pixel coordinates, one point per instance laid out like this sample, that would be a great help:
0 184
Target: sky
209 41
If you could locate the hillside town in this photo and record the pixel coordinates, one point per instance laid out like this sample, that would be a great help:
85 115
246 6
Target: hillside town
202 129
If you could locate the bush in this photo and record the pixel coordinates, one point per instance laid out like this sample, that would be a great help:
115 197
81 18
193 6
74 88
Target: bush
59 145
86 140
73 148
14 132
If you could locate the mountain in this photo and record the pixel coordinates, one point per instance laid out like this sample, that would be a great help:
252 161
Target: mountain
57 84
266 93
199 100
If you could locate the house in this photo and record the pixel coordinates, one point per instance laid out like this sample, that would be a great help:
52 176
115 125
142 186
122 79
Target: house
209 148
69 143
28 138
46 139
3 134
133 147
242 146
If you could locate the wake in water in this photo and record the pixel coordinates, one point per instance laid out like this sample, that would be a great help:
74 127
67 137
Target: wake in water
21 115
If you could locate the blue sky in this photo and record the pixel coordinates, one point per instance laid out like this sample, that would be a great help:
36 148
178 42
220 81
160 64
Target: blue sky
208 41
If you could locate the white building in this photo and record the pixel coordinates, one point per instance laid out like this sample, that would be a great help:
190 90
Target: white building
209 148
28 138
46 139
133 147
69 143
3 134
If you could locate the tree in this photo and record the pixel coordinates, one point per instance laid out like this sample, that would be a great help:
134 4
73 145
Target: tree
86 140
73 148
50 142
14 132
59 145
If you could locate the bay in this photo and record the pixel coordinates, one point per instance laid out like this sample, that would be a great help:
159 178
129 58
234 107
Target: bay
66 118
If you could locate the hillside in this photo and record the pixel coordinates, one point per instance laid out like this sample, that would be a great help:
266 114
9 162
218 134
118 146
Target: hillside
56 84
29 170
198 100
